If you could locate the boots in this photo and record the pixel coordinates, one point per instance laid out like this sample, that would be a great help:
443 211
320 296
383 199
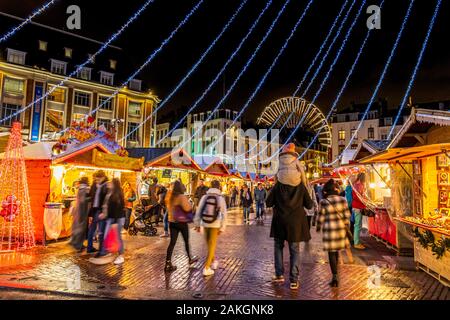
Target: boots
169 267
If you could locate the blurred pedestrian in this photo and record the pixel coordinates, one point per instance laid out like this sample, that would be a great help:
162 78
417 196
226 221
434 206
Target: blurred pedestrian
246 202
334 221
98 192
200 191
358 191
234 194
178 205
130 197
80 214
211 215
260 200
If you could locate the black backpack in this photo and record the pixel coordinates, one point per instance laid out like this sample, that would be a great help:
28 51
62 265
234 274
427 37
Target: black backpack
210 210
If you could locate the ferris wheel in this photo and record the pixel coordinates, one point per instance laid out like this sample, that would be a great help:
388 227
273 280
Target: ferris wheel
279 111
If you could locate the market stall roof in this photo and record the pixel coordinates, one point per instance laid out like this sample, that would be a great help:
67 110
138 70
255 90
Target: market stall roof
176 159
417 126
37 151
369 147
217 168
405 154
99 142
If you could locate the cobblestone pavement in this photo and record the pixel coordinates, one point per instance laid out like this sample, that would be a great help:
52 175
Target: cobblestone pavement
246 266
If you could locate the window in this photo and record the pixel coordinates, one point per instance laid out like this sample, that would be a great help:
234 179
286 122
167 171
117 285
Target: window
78 117
13 86
58 67
388 121
9 109
84 73
384 137
132 127
42 45
15 56
58 95
370 133
341 149
112 64
104 122
105 103
341 134
106 78
202 116
82 99
353 132
91 57
227 113
68 52
54 121
135 84
134 109
195 117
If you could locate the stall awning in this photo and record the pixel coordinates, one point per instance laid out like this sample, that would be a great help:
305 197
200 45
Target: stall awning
407 154
217 168
175 159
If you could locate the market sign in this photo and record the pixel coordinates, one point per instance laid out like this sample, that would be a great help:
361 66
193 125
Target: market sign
114 161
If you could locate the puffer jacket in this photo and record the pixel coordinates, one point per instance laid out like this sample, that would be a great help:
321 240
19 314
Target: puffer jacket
290 170
221 221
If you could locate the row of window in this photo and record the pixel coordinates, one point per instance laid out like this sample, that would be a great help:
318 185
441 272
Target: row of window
217 114
342 134
60 67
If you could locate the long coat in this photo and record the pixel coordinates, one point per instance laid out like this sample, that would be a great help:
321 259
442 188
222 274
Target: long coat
80 217
334 214
289 220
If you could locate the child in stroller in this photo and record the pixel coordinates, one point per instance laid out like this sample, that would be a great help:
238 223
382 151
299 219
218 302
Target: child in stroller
146 218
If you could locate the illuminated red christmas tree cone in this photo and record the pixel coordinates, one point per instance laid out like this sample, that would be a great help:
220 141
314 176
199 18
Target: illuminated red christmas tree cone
16 221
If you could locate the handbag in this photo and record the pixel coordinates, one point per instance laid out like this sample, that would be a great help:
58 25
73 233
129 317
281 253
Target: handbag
112 244
348 232
179 215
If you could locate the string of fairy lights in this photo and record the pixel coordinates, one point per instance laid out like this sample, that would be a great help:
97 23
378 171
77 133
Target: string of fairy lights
317 58
219 74
33 15
91 59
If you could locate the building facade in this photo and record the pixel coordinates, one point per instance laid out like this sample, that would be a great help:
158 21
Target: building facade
30 68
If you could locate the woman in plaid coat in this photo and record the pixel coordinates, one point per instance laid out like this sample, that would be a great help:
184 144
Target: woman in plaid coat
334 214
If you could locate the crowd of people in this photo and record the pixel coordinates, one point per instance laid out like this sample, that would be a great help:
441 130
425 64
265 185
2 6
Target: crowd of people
297 206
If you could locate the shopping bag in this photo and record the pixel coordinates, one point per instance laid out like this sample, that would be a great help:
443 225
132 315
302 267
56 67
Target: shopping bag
111 243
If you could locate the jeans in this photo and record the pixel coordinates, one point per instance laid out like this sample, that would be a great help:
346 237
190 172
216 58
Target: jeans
93 228
166 221
233 202
211 235
246 213
120 224
127 218
294 252
175 228
358 226
259 209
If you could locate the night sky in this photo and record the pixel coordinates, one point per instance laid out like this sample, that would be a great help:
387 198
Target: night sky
101 18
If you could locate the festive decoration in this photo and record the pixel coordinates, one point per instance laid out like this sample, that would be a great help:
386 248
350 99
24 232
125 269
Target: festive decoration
16 227
427 240
80 132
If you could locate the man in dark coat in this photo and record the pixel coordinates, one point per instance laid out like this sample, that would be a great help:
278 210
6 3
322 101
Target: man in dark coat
289 223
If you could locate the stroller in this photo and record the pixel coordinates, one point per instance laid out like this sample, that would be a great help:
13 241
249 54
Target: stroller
145 221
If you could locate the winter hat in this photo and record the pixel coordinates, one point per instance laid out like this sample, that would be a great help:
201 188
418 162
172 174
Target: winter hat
290 147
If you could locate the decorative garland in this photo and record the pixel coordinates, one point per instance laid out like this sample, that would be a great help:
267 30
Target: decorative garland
427 240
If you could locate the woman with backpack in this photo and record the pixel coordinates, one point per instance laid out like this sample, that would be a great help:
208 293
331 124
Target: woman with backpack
246 202
211 215
334 216
179 211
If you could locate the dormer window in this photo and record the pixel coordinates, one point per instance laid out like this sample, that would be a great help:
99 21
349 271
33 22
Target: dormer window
106 78
84 73
42 45
16 56
68 52
58 67
135 84
112 64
